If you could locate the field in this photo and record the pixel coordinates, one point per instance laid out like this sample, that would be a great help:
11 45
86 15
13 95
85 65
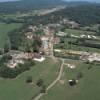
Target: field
18 89
4 29
78 48
87 88
78 32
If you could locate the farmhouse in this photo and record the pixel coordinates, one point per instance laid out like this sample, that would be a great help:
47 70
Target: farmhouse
29 35
41 59
61 34
14 62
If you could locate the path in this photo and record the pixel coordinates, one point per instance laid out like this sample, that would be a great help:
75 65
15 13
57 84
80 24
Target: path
53 83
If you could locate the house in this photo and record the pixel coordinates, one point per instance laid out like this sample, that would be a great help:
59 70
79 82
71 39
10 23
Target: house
29 35
61 34
38 57
56 40
45 42
33 28
41 59
73 24
14 62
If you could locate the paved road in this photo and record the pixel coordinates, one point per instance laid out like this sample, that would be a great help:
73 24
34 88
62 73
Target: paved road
54 82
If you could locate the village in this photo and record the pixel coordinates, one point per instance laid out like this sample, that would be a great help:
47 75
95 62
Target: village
49 39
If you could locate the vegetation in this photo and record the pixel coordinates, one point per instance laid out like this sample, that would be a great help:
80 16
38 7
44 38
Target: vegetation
84 15
15 19
47 70
4 29
24 5
19 41
7 72
79 44
85 89
29 79
81 14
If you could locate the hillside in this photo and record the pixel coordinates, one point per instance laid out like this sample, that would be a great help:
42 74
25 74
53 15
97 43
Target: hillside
26 5
85 15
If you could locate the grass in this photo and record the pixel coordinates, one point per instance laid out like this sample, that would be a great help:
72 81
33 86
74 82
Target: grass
87 89
18 89
83 48
80 48
78 32
4 29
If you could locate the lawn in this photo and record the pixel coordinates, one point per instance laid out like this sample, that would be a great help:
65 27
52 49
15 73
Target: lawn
4 29
88 87
18 89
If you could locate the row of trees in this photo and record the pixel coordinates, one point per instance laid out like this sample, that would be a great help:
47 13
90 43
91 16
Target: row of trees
19 41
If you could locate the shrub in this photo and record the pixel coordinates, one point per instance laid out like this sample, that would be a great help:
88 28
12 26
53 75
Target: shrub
29 79
40 82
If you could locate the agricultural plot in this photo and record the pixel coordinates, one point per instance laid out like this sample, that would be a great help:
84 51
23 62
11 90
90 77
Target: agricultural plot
78 32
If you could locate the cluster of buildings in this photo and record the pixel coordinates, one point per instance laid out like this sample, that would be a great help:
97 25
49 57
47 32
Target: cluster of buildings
91 57
19 57
88 36
71 24
47 39
84 56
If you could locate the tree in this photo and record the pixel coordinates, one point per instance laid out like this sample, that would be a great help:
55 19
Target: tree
40 82
29 79
98 30
43 90
36 44
6 47
1 51
80 75
72 82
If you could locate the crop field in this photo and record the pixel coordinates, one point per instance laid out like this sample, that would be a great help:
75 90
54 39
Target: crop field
4 29
86 89
18 89
78 32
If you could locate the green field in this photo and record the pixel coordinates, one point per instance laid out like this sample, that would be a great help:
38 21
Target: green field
78 32
88 87
78 48
4 29
18 89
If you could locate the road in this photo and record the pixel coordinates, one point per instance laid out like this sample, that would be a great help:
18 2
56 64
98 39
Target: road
53 83
59 75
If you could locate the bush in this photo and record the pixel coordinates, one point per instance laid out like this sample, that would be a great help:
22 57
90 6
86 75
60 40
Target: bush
29 79
43 90
1 51
5 58
40 83
79 76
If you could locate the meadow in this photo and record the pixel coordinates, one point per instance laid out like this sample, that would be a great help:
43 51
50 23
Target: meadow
86 89
4 29
18 89
78 32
